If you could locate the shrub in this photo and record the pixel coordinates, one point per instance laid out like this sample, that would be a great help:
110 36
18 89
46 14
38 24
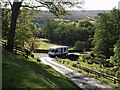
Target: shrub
97 60
74 65
79 46
118 74
90 61
100 56
38 60
92 54
85 57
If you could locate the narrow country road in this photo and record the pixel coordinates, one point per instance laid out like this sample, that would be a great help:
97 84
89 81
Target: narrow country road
83 81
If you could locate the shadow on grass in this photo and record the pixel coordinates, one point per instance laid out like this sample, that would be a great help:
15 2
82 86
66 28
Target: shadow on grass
19 72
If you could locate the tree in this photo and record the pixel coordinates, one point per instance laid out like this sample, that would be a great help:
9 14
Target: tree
54 7
11 34
5 22
25 28
101 38
107 32
88 25
116 58
65 32
79 46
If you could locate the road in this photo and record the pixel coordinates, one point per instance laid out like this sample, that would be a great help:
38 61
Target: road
83 81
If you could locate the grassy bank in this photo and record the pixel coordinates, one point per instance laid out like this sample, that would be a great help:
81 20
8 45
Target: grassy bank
19 72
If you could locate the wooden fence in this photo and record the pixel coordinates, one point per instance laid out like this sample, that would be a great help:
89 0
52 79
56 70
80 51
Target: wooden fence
46 51
99 74
16 50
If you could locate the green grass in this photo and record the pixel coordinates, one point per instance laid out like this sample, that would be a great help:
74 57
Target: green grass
19 72
45 44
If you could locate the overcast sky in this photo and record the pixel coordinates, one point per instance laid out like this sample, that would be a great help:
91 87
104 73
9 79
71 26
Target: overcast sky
100 4
97 4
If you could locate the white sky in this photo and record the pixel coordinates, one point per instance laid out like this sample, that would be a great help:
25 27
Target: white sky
100 4
96 4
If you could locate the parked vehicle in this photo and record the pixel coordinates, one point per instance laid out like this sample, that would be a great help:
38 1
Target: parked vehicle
73 56
58 51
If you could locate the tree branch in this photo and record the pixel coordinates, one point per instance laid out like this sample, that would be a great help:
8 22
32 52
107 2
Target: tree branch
31 6
10 4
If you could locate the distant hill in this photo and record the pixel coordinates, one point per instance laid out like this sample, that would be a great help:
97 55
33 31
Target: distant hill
74 15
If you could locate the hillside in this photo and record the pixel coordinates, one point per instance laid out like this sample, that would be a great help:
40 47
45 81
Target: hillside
44 16
74 15
19 72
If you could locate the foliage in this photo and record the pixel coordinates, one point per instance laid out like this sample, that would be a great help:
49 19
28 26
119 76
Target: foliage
87 24
5 22
107 32
116 58
79 46
97 59
67 32
25 28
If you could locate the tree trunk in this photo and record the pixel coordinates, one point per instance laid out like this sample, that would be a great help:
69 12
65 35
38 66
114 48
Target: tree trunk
11 35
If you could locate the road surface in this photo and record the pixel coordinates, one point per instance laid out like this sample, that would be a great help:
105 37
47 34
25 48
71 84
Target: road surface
83 81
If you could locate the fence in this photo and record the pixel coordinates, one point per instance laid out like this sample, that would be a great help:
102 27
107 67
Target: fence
46 51
99 74
16 50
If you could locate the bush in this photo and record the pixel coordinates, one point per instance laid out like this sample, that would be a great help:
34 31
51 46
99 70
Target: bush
90 61
118 74
74 65
38 60
92 55
97 60
100 56
107 63
79 46
85 57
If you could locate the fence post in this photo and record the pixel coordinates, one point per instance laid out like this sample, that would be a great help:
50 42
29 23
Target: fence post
114 81
15 49
67 62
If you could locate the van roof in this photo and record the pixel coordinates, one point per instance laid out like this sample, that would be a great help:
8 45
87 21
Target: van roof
54 47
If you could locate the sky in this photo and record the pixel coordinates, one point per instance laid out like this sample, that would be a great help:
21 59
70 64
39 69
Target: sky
100 4
95 4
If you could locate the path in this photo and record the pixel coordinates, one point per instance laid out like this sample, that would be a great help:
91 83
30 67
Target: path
83 81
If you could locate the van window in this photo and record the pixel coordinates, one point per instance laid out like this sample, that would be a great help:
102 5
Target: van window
65 49
52 50
56 51
59 50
